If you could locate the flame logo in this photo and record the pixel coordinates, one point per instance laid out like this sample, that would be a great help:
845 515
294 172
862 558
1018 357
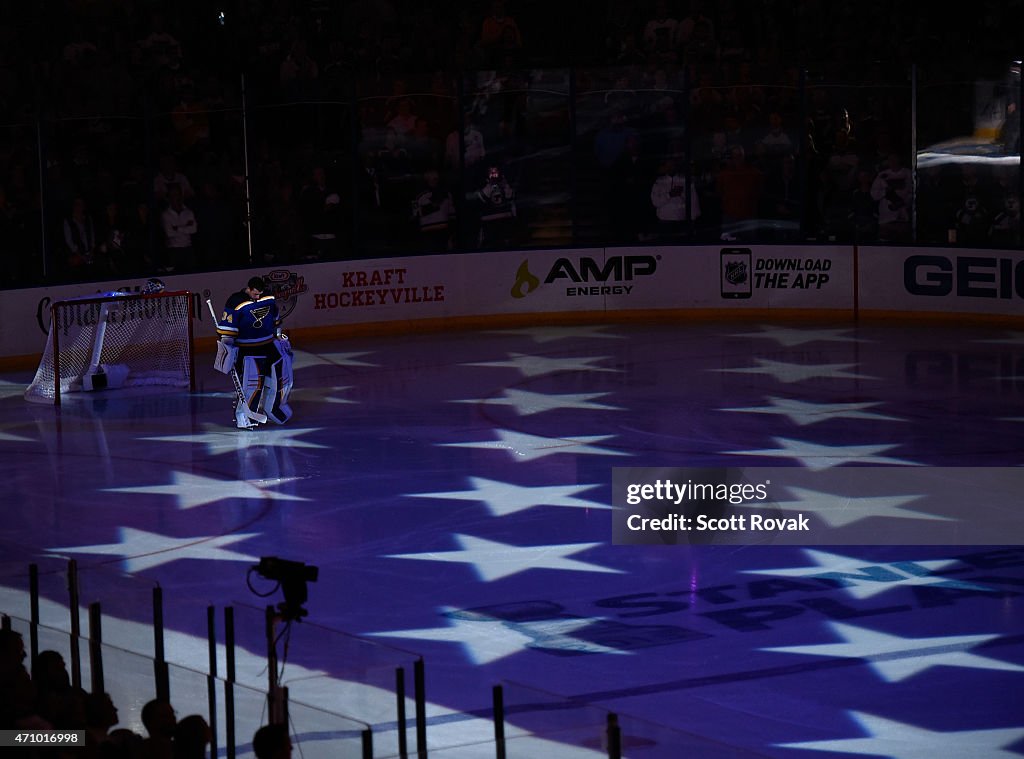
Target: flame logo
525 282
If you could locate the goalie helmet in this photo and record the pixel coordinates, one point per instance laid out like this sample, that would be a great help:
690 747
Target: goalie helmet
153 286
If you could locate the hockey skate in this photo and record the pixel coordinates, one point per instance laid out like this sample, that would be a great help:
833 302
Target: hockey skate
242 421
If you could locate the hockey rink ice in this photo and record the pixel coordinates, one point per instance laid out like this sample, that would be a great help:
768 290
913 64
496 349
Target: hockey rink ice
454 490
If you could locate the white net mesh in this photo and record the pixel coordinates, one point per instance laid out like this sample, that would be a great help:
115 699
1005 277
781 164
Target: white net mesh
116 341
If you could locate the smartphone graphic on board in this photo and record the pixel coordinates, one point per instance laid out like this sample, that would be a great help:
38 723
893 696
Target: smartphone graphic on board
737 274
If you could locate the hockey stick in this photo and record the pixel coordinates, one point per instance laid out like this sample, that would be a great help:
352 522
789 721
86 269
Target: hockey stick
242 404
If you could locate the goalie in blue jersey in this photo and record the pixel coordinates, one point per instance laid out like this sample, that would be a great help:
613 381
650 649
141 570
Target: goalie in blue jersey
253 346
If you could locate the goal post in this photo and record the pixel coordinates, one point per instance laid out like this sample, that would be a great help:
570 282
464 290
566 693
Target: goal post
116 340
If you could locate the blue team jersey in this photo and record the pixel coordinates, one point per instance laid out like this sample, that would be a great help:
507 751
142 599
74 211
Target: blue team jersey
250 322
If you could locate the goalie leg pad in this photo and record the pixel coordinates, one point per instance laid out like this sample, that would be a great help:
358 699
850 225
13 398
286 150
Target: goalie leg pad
279 387
253 381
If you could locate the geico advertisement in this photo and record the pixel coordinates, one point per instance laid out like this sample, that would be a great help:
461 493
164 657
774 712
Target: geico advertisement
942 279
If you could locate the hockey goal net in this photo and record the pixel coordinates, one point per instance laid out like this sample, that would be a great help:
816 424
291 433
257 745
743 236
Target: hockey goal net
112 341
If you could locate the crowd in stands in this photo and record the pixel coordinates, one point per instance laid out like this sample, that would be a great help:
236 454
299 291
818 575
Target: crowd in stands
395 126
45 699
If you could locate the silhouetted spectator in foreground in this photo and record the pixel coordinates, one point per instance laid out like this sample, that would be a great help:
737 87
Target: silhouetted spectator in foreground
52 682
191 737
272 742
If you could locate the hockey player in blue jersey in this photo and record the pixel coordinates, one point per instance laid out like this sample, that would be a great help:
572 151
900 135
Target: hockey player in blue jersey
253 344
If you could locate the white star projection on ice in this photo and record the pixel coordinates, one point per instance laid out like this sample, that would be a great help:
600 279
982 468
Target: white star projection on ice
304 359
803 413
221 439
789 337
321 394
143 550
482 640
789 373
503 498
192 490
536 366
11 437
492 560
551 334
526 403
862 579
485 639
10 389
816 456
895 658
842 510
524 447
896 740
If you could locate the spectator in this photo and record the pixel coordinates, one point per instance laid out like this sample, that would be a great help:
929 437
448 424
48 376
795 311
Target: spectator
739 186
434 211
320 206
423 150
299 73
776 142
840 177
71 714
16 695
629 53
404 120
159 720
375 198
79 238
782 191
499 32
1009 130
610 141
169 175
864 208
191 121
284 225
497 202
629 182
123 744
474 150
100 716
674 199
1005 228
159 49
660 34
892 190
111 234
702 46
191 737
215 217
139 240
972 221
179 225
272 742
696 17
733 47
52 683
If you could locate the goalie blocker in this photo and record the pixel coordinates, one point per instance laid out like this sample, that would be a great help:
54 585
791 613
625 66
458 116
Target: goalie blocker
256 353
